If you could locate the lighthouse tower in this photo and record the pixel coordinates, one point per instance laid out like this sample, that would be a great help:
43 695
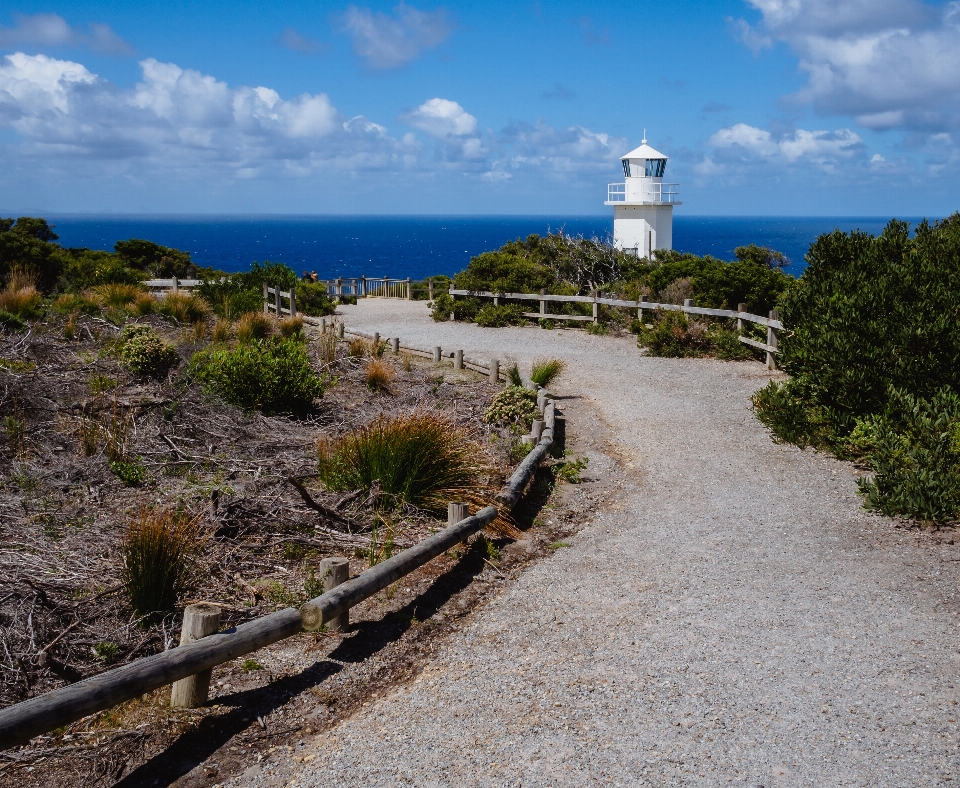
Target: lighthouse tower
643 203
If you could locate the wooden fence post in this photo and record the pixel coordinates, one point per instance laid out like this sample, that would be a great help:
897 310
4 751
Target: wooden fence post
340 328
687 303
772 342
199 621
643 300
409 289
458 360
333 572
430 288
176 285
457 512
741 307
293 303
376 340
266 298
536 430
395 345
596 307
543 302
277 303
496 300
452 312
437 353
495 370
363 285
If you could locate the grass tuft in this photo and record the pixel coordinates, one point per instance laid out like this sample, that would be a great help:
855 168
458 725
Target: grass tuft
253 326
513 376
357 348
546 370
379 376
158 553
183 308
291 327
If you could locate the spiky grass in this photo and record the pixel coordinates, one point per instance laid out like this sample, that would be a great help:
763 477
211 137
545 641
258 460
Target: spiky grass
158 552
513 376
357 348
143 304
221 331
254 325
21 277
200 330
292 327
327 348
546 370
422 459
117 295
379 376
20 301
183 308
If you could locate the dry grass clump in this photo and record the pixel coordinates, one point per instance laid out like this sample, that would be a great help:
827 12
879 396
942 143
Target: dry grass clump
423 459
158 552
327 348
117 296
199 330
357 348
143 304
546 370
183 308
20 296
221 331
291 327
379 376
252 326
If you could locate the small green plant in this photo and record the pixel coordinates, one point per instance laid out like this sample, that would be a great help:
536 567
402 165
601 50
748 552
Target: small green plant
10 321
422 458
407 362
312 585
105 650
547 323
674 336
546 370
146 354
131 472
557 545
487 548
570 470
99 384
513 406
278 594
327 348
250 665
273 376
597 329
158 552
490 316
14 428
513 376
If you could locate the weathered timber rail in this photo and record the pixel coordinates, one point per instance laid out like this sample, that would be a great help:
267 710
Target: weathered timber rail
21 722
772 322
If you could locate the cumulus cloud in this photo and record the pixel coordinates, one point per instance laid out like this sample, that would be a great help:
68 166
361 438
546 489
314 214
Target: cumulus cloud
390 41
885 63
824 148
52 30
177 117
441 118
573 149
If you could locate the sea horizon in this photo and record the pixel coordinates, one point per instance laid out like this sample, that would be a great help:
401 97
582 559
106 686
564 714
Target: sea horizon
420 245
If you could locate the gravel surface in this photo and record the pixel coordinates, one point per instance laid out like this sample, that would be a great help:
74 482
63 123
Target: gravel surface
735 619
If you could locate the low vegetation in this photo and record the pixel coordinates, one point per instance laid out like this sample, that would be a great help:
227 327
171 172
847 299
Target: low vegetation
873 354
673 334
514 406
545 371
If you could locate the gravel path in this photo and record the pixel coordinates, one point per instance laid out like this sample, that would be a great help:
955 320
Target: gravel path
737 620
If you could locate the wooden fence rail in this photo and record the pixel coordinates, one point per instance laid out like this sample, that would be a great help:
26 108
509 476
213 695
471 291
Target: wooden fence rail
273 298
543 298
21 722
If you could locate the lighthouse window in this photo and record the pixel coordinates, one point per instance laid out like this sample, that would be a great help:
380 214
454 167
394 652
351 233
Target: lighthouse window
655 167
626 168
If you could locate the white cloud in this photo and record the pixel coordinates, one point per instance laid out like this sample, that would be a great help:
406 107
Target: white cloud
749 36
179 118
52 30
386 42
441 118
822 147
885 63
572 149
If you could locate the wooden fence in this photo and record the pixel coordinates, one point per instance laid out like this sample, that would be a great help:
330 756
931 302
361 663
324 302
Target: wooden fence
187 663
772 322
174 285
273 298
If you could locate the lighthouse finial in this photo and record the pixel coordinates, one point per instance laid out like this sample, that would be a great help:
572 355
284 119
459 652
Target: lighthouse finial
644 141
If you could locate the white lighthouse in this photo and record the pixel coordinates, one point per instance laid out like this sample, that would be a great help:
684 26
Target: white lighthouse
643 203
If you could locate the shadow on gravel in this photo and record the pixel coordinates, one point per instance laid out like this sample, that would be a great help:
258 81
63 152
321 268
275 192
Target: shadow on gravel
193 747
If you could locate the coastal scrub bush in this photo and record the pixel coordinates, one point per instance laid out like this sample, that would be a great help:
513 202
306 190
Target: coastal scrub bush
270 375
673 335
513 406
183 307
158 554
546 370
422 459
490 316
144 353
253 326
312 299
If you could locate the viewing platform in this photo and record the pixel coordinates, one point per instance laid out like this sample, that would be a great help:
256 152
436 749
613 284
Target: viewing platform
649 193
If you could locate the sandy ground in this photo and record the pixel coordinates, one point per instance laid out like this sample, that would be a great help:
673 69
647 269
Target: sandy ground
735 618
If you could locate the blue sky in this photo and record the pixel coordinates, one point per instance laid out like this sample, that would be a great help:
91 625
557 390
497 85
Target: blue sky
796 107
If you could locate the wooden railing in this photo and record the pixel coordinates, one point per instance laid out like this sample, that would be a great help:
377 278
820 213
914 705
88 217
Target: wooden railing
273 298
174 285
188 665
772 322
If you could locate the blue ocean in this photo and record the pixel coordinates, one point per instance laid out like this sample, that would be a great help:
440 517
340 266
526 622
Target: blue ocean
422 246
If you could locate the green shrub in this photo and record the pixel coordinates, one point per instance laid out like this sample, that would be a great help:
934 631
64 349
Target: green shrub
726 345
272 375
674 335
11 322
514 377
462 308
144 353
514 405
546 370
790 418
597 329
130 472
490 316
422 459
158 553
312 299
914 450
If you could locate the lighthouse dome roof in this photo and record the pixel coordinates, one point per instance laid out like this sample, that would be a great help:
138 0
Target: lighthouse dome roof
643 152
